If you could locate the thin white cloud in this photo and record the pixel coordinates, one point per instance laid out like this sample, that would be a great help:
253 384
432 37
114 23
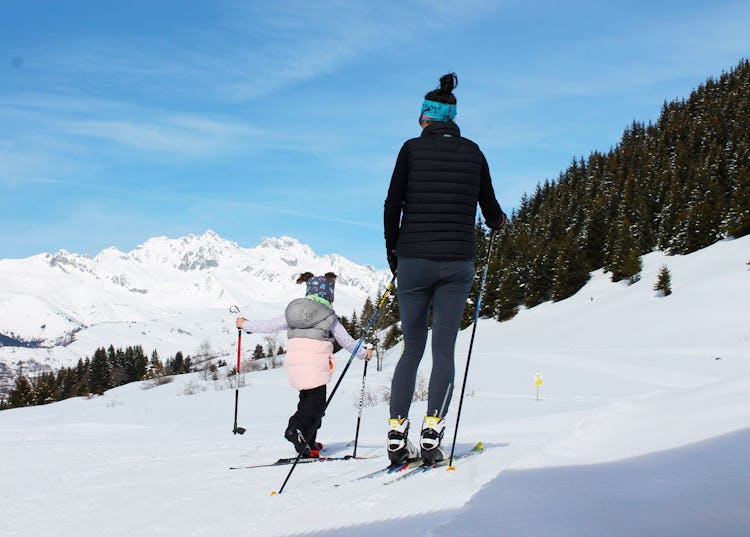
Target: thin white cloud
249 49
177 135
63 125
270 207
246 52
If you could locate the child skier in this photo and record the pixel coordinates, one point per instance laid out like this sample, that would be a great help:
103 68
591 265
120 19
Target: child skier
311 326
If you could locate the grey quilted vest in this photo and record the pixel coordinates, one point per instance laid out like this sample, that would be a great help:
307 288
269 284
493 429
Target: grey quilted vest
310 319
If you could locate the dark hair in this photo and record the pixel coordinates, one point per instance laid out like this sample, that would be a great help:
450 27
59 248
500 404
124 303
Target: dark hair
444 92
307 275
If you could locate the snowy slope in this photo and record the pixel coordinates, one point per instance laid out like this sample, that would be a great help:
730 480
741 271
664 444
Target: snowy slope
166 294
641 429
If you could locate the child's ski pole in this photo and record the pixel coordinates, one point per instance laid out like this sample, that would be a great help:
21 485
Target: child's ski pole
237 430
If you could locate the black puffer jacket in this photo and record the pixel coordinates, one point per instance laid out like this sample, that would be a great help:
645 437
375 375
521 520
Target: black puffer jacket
431 206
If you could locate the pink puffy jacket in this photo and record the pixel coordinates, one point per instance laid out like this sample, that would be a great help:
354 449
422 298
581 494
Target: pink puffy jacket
309 362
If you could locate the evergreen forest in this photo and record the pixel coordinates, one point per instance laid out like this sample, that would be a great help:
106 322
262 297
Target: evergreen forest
678 185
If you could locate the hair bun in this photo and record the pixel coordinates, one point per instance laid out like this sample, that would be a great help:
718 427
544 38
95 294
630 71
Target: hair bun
448 82
304 277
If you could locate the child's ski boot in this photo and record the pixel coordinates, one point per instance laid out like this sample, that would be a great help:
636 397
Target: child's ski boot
296 437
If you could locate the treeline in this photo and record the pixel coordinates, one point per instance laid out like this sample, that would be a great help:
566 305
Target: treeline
678 185
385 331
269 351
108 368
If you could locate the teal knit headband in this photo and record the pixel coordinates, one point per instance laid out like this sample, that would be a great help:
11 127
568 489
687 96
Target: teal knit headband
435 111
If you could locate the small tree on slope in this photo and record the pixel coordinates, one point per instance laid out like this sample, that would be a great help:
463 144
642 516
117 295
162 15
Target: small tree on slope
663 285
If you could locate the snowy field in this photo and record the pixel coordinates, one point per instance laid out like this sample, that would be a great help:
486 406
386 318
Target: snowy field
642 429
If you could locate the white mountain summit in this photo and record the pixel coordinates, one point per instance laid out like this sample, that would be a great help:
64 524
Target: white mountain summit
166 294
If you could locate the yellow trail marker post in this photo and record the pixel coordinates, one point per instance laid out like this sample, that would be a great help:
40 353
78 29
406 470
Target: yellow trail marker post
538 381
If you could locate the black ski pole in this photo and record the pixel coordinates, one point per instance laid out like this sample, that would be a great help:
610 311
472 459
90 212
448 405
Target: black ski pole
341 377
237 430
361 404
471 344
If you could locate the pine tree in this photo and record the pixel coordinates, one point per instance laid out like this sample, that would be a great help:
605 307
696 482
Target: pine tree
140 362
22 394
68 383
354 326
367 310
45 389
626 260
664 282
118 372
570 270
99 377
83 370
737 220
506 277
389 317
177 364
540 278
156 371
258 353
509 296
392 336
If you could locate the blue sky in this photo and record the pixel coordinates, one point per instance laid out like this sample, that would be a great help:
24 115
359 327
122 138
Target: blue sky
121 121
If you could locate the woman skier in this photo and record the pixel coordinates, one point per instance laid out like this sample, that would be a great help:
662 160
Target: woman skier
429 219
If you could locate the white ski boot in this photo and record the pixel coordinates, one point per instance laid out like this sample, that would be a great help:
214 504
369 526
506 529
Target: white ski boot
433 428
400 449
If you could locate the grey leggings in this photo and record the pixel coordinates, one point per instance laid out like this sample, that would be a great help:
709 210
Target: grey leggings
445 285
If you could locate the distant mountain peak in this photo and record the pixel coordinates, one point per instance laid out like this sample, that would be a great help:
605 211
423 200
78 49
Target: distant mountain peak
283 243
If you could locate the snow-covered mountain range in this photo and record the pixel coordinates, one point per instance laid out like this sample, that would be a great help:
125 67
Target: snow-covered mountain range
166 294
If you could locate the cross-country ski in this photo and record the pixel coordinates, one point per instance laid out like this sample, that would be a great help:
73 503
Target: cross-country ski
421 468
304 460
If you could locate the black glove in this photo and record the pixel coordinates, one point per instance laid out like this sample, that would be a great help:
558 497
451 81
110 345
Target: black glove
392 260
503 221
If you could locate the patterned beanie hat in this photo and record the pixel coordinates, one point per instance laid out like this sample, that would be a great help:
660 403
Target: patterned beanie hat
322 287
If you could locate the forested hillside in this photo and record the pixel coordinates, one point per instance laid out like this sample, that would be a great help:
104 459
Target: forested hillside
678 185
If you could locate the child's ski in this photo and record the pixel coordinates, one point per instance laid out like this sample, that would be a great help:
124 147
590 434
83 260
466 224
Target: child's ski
421 468
303 460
